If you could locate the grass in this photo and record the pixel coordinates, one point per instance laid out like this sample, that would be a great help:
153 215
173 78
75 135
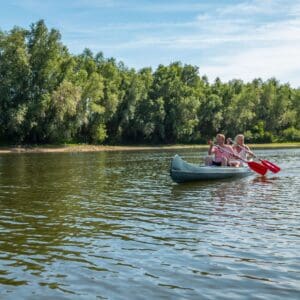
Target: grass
276 145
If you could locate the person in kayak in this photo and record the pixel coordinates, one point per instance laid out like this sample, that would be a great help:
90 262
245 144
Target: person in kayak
221 151
240 148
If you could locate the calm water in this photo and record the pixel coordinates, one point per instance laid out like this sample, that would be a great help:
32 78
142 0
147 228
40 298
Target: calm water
114 226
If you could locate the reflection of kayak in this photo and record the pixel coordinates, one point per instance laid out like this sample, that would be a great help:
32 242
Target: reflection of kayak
182 171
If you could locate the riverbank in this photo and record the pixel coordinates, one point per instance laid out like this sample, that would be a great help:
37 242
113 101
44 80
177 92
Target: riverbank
98 148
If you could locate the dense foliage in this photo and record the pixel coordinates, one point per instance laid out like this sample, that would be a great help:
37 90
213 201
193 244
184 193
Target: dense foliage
48 95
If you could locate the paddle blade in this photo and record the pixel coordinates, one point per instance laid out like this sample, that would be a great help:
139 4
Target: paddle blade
272 167
257 167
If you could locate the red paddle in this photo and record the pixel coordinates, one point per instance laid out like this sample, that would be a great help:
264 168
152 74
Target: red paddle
272 167
257 167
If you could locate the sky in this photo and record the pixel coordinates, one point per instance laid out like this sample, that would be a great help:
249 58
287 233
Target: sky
229 39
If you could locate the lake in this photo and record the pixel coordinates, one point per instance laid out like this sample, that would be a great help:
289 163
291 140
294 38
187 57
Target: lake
112 225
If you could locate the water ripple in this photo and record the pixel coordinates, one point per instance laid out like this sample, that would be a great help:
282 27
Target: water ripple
114 226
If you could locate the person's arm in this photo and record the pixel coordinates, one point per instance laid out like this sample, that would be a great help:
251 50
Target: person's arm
211 149
230 148
232 151
249 151
235 149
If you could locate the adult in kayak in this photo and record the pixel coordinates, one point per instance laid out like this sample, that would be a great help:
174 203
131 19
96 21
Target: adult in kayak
221 152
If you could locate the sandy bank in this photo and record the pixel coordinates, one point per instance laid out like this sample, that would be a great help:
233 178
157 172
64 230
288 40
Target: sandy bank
97 148
90 148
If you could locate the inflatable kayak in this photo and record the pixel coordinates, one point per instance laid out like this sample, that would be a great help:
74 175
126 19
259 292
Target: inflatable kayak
182 171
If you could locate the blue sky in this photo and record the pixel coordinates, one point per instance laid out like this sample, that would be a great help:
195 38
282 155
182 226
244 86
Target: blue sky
230 39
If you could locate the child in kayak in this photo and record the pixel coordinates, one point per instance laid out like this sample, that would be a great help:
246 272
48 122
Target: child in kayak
222 153
240 148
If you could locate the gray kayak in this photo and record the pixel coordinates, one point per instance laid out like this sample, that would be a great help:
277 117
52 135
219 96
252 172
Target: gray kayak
182 171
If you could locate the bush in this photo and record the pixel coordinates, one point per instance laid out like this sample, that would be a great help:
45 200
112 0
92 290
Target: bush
291 134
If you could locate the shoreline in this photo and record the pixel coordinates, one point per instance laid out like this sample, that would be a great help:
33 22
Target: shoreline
100 148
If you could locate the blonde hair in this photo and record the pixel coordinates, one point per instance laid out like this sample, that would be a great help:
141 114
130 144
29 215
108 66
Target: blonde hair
239 136
221 136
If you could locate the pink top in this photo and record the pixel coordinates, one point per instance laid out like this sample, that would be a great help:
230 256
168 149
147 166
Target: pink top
219 153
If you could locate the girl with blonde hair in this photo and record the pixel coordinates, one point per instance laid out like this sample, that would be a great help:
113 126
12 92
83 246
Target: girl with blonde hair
240 148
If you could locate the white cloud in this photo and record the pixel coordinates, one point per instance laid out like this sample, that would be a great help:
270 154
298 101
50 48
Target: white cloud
253 7
282 62
273 51
272 34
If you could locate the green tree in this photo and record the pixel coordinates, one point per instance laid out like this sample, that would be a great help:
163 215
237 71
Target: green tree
48 59
210 112
180 89
62 112
14 92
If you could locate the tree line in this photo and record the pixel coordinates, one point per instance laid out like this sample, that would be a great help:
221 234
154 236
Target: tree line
48 95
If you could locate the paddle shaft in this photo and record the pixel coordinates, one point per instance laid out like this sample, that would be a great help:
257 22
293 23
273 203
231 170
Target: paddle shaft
245 149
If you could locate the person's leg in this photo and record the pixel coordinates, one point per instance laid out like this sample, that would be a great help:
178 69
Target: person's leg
234 163
224 162
208 161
